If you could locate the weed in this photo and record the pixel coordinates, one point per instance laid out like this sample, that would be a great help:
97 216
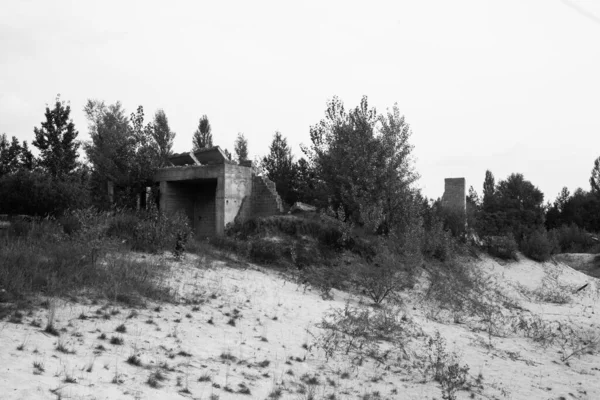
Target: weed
155 378
205 378
61 347
134 360
116 340
121 328
38 367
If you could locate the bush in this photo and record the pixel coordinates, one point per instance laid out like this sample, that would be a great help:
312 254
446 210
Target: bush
573 239
537 246
48 261
386 275
503 247
35 193
264 251
357 332
151 231
438 242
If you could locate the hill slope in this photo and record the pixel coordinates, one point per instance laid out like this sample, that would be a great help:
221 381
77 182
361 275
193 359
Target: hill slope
246 332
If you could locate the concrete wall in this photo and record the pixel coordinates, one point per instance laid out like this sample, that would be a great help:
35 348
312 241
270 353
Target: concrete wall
205 216
215 195
265 200
455 194
177 196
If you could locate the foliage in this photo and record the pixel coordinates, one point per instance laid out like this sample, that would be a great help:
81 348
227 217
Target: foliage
387 274
580 208
363 157
595 177
241 148
35 193
358 333
14 156
513 206
122 151
163 137
47 260
202 138
444 367
537 246
504 247
573 239
279 166
151 231
56 141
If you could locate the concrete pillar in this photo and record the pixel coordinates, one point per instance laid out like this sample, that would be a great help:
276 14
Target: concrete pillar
220 206
455 194
163 188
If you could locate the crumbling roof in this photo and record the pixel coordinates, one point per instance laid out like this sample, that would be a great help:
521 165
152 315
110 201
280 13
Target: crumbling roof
210 156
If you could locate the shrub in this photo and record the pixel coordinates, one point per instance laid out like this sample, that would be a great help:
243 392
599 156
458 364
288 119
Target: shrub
264 251
357 332
537 246
503 247
35 193
388 273
573 239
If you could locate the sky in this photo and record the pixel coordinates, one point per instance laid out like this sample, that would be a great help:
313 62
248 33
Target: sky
509 86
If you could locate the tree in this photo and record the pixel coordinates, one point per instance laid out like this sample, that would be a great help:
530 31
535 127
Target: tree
489 191
363 162
279 165
520 204
595 178
305 184
9 155
163 136
56 140
241 148
202 137
26 158
122 151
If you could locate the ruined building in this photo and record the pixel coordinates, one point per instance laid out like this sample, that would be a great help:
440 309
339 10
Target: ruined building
455 195
214 191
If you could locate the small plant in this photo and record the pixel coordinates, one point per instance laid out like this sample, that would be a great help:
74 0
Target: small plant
134 360
444 367
69 378
264 363
116 340
38 367
205 378
227 356
275 393
121 328
183 353
61 347
102 336
155 378
243 389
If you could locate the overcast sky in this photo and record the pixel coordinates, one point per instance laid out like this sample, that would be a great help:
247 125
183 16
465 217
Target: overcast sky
505 85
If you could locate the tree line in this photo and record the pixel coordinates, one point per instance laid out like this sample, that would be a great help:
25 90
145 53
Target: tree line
358 166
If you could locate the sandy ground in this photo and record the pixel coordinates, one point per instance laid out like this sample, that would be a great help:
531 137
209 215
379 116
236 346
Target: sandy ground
244 332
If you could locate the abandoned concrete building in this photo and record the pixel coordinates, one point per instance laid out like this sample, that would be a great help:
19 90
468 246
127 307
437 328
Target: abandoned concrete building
455 195
214 191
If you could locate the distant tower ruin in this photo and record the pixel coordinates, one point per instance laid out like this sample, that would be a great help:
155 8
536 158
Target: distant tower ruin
455 195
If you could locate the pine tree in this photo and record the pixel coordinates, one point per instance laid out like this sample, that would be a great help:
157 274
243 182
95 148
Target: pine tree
56 140
203 136
489 191
279 165
595 178
241 148
163 136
